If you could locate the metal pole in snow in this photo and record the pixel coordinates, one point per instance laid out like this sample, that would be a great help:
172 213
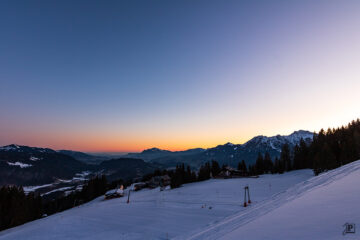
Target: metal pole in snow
128 200
248 195
245 204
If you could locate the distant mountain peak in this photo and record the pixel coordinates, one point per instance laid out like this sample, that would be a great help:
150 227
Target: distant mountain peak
154 150
229 144
19 148
276 142
10 147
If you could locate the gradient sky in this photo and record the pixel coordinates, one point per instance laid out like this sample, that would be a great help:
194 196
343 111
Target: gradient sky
129 75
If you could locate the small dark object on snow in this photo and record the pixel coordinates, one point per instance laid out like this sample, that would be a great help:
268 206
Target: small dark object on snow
248 194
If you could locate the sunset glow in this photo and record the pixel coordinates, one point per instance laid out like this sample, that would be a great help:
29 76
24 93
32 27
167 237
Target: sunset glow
124 76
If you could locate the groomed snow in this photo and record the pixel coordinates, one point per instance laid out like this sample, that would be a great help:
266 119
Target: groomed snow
152 214
314 209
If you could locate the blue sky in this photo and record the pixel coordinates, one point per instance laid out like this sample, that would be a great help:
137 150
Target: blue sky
127 75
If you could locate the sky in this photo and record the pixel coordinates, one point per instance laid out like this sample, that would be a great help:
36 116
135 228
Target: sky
123 76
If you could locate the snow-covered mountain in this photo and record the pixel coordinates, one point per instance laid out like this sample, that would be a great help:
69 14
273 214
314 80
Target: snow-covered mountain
276 142
231 154
23 165
29 166
228 153
25 149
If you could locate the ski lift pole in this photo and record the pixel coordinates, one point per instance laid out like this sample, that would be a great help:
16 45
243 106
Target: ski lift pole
128 200
245 204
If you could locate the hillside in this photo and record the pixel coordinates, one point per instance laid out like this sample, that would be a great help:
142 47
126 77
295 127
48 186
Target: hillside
293 205
84 157
125 168
314 209
152 214
47 171
23 165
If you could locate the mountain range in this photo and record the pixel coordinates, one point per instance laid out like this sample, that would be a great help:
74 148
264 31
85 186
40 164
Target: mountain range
228 153
30 166
23 165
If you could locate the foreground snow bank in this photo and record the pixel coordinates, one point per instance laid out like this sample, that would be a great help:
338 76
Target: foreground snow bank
314 209
152 214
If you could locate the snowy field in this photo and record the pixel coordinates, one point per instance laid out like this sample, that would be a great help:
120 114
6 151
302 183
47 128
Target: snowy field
152 214
315 209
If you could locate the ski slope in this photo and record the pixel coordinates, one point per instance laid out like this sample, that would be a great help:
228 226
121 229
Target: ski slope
152 214
314 209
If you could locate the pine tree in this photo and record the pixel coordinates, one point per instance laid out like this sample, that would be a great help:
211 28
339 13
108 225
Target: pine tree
242 166
259 165
204 172
285 158
268 164
276 168
215 168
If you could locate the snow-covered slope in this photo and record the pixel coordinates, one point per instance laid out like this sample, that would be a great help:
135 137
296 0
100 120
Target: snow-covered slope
314 209
294 205
152 214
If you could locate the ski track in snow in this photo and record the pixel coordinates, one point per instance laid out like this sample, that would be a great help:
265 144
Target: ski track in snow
217 230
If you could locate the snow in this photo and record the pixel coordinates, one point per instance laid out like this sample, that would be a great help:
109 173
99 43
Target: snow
276 142
57 190
229 144
83 174
113 191
28 189
314 209
20 164
9 147
154 214
34 158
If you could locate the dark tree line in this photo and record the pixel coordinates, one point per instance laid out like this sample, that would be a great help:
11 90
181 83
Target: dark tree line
330 149
264 164
183 175
17 208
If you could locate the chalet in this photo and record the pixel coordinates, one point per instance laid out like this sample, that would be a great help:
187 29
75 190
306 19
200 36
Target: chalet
157 181
138 186
115 193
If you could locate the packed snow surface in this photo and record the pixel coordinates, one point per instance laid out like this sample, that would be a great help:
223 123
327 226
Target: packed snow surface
314 209
152 214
